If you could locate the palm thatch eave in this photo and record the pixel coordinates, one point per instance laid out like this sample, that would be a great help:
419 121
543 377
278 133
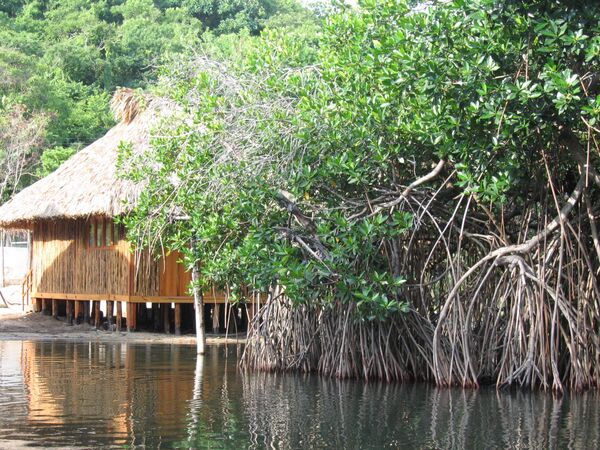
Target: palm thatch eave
87 184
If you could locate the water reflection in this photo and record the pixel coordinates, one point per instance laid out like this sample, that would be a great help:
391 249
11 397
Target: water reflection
159 396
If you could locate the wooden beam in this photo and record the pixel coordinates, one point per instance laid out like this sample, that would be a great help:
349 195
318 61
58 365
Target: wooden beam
119 315
159 299
178 319
55 308
71 296
209 298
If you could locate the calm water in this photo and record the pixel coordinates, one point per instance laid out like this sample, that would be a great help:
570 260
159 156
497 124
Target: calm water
75 395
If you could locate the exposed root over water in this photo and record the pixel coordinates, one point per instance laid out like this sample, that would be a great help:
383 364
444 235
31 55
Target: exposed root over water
509 298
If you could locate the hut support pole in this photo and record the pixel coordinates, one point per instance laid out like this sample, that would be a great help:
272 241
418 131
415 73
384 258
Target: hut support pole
70 312
165 316
45 306
119 315
54 308
131 316
177 319
97 314
77 310
38 305
155 317
198 304
86 311
109 312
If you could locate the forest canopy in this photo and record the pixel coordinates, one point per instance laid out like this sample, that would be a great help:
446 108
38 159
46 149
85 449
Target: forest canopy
60 62
414 187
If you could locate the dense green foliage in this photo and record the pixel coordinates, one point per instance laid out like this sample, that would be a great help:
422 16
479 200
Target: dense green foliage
64 58
407 157
485 86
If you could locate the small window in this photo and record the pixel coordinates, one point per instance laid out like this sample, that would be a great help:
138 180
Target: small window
92 234
109 233
102 233
99 234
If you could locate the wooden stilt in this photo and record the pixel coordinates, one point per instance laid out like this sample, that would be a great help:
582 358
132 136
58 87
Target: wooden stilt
86 312
119 315
38 305
45 306
109 312
156 317
97 314
70 312
77 310
166 307
177 319
131 316
55 308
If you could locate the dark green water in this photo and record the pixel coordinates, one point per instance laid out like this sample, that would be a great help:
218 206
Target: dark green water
91 395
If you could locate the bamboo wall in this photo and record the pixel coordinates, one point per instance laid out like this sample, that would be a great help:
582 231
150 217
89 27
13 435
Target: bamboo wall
64 261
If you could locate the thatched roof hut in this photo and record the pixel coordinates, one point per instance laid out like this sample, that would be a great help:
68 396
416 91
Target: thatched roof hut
78 252
87 184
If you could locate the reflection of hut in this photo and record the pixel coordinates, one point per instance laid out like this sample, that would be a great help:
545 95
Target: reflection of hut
97 387
79 253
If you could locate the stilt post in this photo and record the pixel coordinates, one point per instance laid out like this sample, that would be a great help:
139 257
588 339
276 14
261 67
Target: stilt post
86 311
119 315
70 312
131 316
177 319
109 312
166 307
77 309
97 314
156 317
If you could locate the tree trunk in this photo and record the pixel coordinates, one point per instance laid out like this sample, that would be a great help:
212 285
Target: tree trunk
198 306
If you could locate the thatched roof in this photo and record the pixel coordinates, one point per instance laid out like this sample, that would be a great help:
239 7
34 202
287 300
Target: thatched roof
87 184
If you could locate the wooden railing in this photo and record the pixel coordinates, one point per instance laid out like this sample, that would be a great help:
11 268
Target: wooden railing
26 285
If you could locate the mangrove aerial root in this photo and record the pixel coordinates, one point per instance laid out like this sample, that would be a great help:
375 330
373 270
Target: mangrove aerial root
510 300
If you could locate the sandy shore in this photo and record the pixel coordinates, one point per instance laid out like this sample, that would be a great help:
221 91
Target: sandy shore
18 325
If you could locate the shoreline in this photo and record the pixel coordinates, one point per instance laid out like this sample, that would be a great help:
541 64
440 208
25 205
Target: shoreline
141 337
19 325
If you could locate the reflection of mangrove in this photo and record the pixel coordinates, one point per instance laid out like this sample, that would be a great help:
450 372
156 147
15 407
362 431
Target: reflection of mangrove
158 395
270 410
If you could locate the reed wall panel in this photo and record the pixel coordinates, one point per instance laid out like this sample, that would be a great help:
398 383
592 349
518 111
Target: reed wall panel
65 262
